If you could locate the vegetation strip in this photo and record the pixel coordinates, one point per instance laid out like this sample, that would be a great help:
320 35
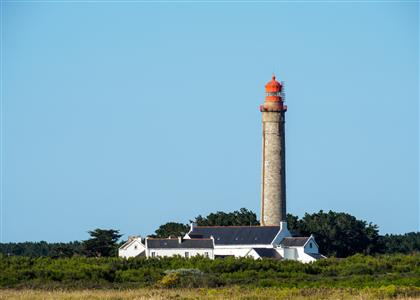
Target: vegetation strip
357 271
221 293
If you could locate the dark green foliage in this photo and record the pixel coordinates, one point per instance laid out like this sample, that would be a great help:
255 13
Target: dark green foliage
293 224
36 249
357 271
171 229
103 242
338 234
401 243
243 217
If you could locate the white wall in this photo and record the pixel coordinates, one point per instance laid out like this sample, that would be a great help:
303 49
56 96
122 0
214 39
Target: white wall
303 257
314 248
252 253
283 232
290 253
134 249
180 252
237 251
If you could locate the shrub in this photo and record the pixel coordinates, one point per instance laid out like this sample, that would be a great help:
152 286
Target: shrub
357 271
187 278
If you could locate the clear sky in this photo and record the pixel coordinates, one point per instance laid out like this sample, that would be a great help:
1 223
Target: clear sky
129 115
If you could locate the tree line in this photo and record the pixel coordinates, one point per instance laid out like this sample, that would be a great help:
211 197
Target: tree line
337 234
103 243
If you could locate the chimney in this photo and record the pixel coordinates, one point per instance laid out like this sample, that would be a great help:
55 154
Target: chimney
283 226
283 232
192 226
134 237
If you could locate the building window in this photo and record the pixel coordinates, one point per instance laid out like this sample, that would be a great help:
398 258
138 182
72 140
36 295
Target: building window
310 245
135 247
187 254
206 254
153 254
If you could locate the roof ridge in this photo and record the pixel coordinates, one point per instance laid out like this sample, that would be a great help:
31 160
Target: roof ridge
176 239
126 244
244 226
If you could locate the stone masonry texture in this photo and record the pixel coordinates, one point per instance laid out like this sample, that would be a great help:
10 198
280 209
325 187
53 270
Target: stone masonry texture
273 198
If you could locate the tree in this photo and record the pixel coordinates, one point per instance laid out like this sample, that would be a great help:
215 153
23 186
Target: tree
42 248
401 243
339 234
70 249
171 229
103 242
243 217
293 224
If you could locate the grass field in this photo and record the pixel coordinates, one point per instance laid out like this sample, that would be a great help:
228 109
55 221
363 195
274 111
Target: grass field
389 292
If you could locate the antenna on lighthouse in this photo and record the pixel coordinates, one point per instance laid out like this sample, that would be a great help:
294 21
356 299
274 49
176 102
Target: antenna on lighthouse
282 93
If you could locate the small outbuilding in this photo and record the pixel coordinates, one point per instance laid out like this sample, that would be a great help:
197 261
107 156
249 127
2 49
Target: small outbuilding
304 249
132 248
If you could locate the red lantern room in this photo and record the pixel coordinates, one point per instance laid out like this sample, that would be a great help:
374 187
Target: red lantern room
273 98
273 89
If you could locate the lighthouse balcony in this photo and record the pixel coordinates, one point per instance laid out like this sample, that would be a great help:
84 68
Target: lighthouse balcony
276 108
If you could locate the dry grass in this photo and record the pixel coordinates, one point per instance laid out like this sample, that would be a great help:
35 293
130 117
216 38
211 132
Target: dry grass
222 293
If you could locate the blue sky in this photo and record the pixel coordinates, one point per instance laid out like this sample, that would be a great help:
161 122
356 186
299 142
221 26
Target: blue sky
129 115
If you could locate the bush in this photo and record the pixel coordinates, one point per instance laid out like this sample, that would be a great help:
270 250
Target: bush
187 278
358 271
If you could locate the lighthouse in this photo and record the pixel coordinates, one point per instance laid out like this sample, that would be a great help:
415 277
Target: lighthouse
273 183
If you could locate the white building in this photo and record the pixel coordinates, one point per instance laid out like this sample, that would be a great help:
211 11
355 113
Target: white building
258 241
303 249
132 248
274 242
237 241
180 246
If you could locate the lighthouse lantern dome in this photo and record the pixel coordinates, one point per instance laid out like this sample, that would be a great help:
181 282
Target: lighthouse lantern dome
273 86
273 92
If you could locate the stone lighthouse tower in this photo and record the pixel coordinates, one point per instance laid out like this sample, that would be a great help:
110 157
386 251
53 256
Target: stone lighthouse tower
273 192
